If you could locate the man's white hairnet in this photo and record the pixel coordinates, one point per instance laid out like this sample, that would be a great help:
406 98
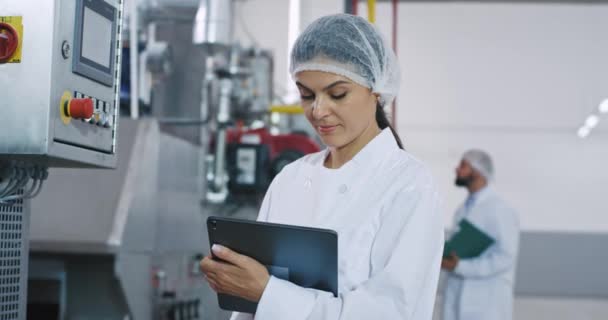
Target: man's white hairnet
349 46
480 161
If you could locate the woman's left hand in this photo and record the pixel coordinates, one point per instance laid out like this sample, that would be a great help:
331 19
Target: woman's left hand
236 274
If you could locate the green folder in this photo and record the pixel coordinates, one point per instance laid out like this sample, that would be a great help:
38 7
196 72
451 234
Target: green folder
468 242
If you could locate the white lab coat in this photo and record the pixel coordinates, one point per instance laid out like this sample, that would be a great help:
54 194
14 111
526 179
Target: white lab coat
482 288
384 206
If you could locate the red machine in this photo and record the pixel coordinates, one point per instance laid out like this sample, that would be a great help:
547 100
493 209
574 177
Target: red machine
282 149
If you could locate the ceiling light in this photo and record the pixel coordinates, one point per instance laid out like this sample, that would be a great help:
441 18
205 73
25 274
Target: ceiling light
604 106
583 132
592 121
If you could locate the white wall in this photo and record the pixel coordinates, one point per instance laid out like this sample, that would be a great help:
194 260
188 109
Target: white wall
534 308
516 80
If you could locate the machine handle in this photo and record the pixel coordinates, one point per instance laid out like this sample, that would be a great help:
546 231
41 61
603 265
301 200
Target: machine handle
9 41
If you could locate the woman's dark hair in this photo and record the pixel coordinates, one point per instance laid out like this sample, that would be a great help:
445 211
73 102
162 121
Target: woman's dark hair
383 123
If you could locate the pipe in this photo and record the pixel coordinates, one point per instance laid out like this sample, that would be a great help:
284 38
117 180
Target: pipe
213 23
293 30
184 121
395 19
371 11
134 52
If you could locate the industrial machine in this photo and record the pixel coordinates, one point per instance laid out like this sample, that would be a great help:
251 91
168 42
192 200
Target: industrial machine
125 243
209 90
255 156
132 250
59 74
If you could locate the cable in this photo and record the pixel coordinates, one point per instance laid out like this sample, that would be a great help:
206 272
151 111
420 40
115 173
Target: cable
42 175
11 37
12 174
23 177
19 177
7 187
35 185
8 174
12 194
37 190
12 184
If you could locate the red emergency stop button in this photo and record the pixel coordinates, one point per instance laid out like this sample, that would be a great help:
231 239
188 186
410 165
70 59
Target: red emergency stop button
9 41
80 108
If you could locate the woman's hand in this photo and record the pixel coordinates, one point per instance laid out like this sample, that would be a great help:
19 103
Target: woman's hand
236 274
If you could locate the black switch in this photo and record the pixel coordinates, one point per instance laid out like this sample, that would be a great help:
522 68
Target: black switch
172 313
188 310
197 304
182 312
168 294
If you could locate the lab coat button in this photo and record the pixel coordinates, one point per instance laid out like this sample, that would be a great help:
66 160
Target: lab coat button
307 183
343 188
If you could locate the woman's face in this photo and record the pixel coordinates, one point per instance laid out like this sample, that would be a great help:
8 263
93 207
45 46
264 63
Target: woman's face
338 109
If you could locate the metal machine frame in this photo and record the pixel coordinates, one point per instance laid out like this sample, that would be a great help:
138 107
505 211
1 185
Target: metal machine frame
57 109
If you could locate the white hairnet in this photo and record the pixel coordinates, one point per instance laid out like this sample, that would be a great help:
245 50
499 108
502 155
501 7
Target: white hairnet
349 46
481 162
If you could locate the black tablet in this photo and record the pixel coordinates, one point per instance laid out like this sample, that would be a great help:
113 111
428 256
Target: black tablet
304 256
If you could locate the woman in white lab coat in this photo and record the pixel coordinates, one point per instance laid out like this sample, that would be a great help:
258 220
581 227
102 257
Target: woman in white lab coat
381 201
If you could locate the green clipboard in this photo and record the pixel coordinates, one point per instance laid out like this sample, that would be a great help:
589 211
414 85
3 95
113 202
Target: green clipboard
468 242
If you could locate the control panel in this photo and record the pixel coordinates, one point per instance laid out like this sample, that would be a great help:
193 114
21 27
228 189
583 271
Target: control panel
60 66
79 106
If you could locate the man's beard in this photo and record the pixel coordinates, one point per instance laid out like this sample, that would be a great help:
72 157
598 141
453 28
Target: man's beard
463 181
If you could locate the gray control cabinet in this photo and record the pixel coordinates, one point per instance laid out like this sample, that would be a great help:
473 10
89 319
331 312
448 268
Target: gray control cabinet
70 49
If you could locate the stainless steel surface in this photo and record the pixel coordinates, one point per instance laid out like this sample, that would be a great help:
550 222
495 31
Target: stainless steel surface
158 57
192 89
134 57
83 203
30 123
213 24
122 226
223 113
262 69
219 172
179 94
220 182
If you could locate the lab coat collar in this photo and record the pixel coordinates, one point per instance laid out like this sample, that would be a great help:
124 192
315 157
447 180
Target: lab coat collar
481 194
371 154
376 150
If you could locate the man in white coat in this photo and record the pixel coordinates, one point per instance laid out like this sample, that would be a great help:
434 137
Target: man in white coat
481 288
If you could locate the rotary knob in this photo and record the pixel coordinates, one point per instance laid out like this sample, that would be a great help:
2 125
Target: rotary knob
9 41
